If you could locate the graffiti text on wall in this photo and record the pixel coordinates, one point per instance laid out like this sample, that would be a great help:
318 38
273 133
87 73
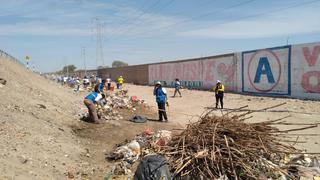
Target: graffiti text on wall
311 79
188 84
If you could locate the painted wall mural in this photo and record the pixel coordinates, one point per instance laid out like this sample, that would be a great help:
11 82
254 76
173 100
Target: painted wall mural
267 71
196 74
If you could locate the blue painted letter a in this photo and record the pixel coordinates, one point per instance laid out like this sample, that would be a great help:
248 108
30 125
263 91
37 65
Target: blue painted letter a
264 69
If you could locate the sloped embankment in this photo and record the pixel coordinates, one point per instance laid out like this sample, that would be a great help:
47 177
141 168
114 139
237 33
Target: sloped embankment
35 117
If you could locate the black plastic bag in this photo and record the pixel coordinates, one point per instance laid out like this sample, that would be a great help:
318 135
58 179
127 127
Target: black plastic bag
138 119
153 167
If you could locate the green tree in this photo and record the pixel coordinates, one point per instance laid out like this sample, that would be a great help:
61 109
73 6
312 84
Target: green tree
119 64
69 69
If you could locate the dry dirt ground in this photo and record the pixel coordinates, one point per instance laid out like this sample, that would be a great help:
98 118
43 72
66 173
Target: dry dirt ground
194 102
43 138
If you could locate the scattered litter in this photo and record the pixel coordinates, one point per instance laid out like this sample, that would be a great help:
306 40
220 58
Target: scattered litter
130 155
3 82
111 104
143 144
138 119
121 168
147 131
70 174
14 107
227 145
23 159
41 106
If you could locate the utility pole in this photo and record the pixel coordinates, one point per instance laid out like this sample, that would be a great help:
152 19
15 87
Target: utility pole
98 25
83 54
65 65
33 66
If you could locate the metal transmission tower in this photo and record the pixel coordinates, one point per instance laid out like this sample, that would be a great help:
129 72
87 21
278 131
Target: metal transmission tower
98 30
83 55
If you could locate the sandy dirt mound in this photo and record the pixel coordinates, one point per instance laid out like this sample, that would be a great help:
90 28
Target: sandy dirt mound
35 114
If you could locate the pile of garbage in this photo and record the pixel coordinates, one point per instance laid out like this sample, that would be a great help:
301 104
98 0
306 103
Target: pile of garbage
121 99
222 147
227 147
130 151
112 103
118 100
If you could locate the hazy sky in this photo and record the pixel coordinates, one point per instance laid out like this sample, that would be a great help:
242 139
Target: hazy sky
52 32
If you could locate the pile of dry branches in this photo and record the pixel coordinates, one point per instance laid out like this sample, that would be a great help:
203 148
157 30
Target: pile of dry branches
227 145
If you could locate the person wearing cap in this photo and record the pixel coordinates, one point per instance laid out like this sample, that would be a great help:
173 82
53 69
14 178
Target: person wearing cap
90 100
109 83
219 92
161 99
177 87
78 83
120 82
86 82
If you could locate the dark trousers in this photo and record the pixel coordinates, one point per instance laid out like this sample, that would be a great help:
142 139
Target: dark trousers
119 86
92 110
162 111
175 92
219 98
109 86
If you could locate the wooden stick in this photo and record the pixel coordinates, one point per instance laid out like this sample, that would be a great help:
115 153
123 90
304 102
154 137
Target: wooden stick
230 158
298 134
299 129
285 152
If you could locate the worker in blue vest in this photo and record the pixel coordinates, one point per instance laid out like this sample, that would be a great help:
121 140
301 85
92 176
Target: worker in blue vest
177 87
161 99
102 85
90 100
219 93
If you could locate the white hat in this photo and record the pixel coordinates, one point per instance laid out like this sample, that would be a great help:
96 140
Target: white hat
218 81
158 82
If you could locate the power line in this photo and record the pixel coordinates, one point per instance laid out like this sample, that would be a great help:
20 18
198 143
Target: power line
240 18
145 7
200 16
199 5
83 54
140 15
269 12
126 20
141 22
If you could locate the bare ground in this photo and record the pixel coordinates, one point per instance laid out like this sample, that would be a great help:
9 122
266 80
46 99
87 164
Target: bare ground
43 138
193 103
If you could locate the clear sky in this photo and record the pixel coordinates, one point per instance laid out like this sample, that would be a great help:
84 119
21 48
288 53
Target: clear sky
52 32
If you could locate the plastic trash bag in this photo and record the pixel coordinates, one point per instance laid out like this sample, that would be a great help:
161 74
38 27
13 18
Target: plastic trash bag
153 167
138 119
